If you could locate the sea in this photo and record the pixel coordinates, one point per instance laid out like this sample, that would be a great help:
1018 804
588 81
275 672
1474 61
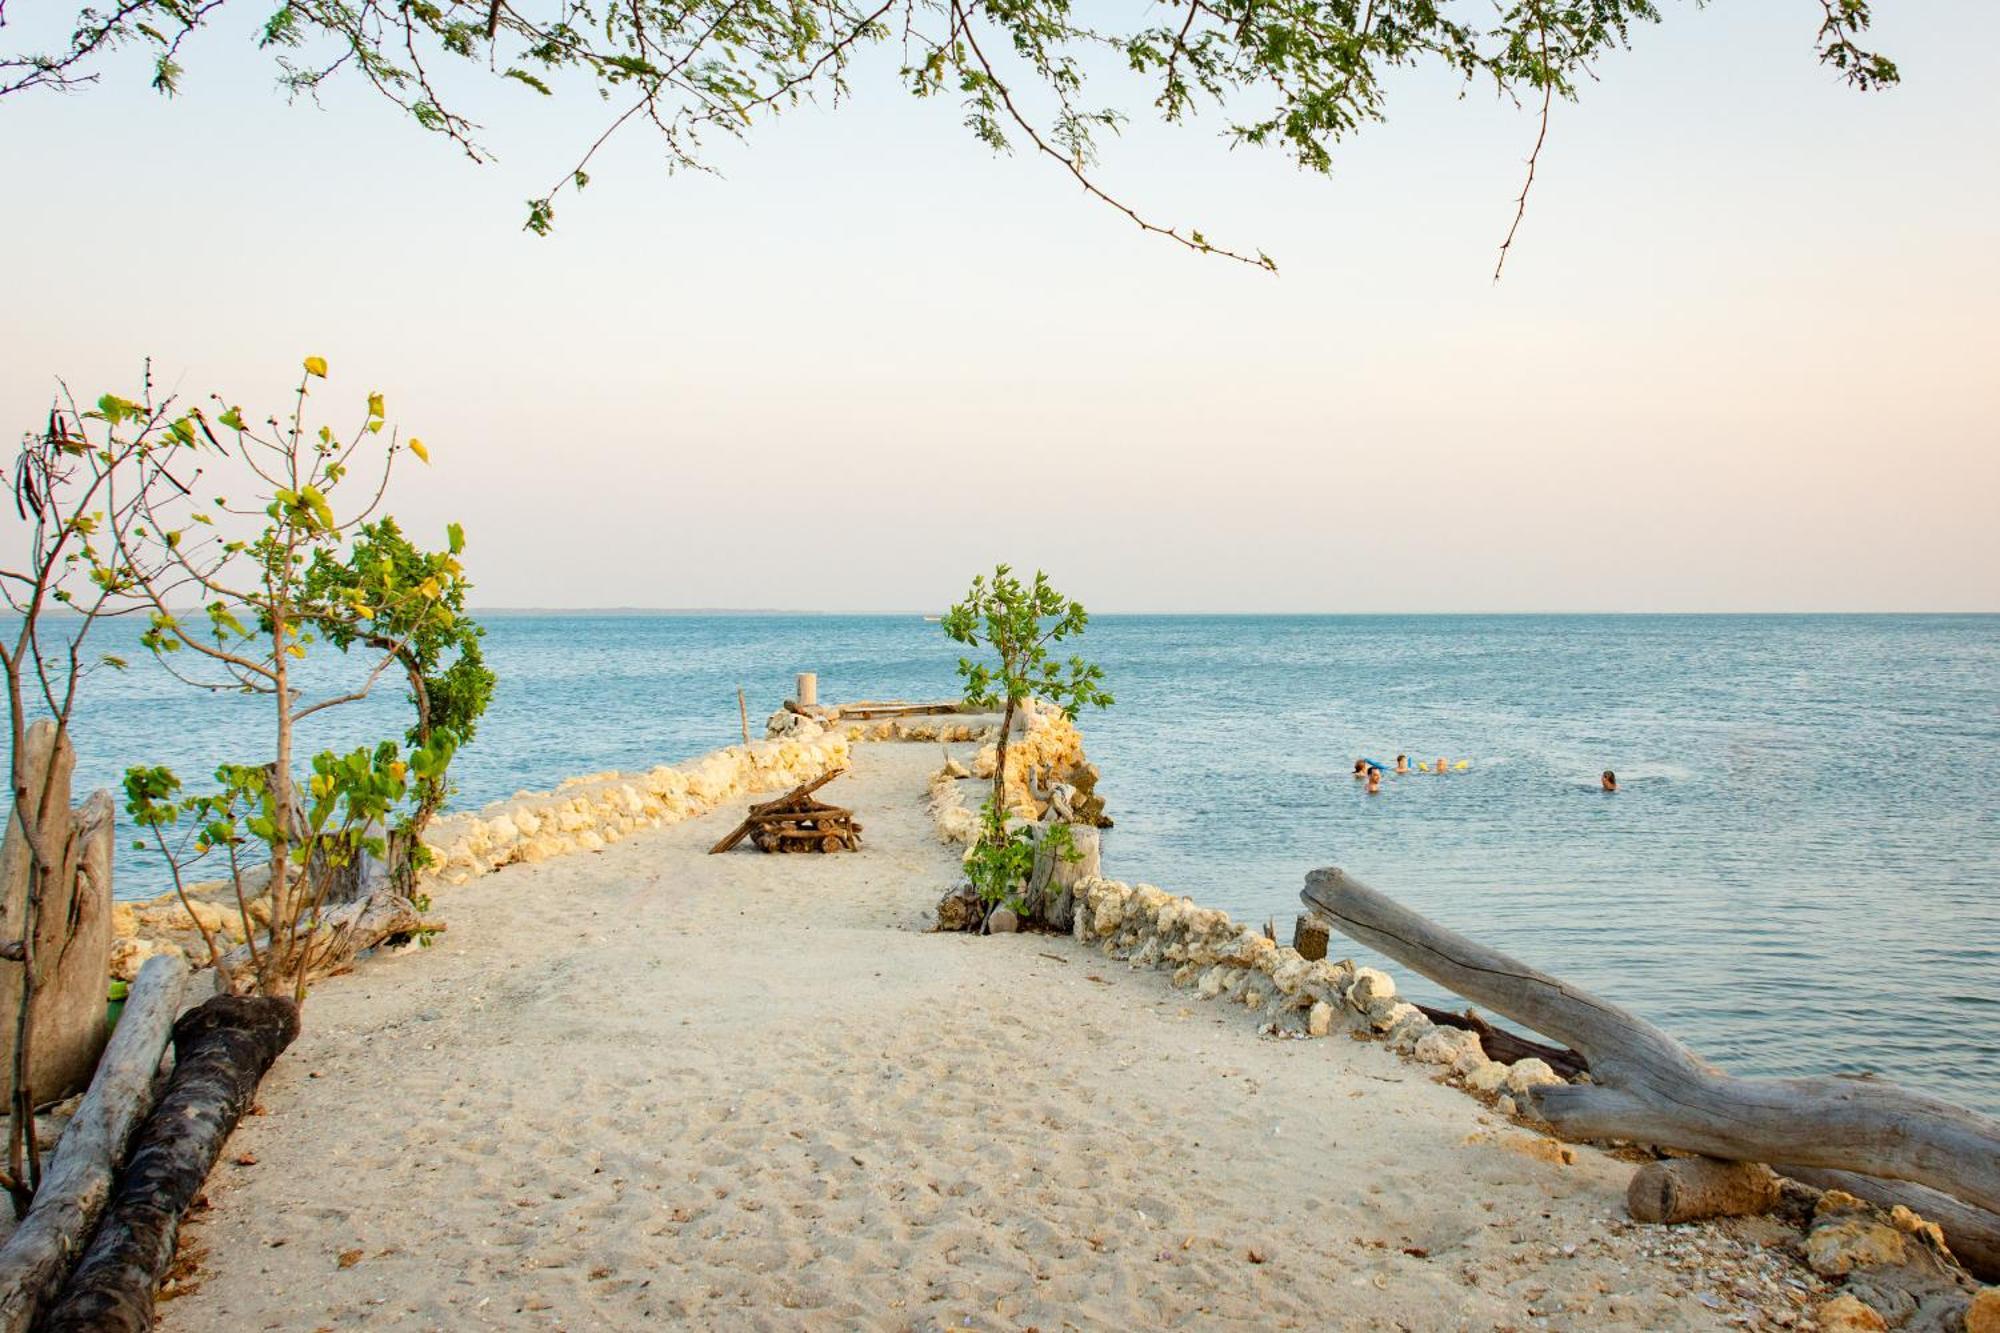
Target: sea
1799 874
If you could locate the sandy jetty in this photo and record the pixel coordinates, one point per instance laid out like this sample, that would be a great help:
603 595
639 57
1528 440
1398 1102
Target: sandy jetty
647 1086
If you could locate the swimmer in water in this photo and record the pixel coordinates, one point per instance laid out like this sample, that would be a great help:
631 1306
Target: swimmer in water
1443 767
1402 763
1610 780
1374 781
1360 769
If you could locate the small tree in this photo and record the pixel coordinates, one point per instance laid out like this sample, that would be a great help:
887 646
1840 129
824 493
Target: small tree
1018 623
265 595
76 503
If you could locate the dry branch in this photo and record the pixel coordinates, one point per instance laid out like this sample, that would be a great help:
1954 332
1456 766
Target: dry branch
1651 1089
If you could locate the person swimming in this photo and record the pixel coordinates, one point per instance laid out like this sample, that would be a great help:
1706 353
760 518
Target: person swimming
1609 780
1360 769
1374 781
1402 763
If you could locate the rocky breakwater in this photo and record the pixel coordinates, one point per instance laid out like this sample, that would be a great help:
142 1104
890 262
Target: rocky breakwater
1221 960
584 814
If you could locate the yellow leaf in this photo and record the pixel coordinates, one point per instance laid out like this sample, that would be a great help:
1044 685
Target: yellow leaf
374 404
417 448
316 365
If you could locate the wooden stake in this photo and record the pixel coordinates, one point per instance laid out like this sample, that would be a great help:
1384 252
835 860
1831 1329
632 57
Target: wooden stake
744 709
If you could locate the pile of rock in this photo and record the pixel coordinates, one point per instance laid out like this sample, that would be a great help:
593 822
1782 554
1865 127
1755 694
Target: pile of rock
1237 964
1895 1268
587 814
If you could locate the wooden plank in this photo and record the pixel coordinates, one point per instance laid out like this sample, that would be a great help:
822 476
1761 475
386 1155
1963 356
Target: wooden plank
1651 1089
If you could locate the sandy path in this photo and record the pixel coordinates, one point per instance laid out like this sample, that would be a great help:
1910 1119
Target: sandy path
650 1086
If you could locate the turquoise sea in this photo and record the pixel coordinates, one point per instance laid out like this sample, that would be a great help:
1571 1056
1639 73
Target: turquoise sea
1801 875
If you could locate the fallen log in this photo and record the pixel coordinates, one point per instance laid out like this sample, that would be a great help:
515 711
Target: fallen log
346 931
1507 1047
222 1049
1972 1233
1689 1189
37 1257
1650 1089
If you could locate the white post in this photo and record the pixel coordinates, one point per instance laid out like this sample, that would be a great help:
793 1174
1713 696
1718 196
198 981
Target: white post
808 694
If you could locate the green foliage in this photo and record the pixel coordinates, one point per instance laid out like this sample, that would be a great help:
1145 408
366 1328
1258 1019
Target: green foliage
1295 75
1003 859
389 595
1018 622
274 576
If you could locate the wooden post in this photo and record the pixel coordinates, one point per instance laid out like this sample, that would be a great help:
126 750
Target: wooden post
808 695
743 708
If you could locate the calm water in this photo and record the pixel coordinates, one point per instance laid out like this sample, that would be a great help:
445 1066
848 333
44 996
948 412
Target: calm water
1800 876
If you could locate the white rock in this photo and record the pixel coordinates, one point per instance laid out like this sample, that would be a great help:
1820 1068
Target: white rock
1369 984
1488 1077
1319 1019
1443 1046
1530 1073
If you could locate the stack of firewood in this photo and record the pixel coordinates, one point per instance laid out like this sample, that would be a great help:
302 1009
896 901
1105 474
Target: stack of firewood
795 822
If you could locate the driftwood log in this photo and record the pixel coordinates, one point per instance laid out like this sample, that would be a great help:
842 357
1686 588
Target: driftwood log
1650 1089
1051 896
221 1051
1687 1189
1507 1047
72 927
346 931
39 1255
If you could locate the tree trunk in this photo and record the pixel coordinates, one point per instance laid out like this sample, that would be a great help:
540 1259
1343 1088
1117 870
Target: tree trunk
221 1051
71 947
37 1257
1651 1089
1000 759
1051 896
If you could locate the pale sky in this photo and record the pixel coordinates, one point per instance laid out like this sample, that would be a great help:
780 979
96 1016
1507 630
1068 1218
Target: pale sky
1744 357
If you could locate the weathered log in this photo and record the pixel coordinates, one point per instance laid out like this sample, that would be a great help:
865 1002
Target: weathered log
72 928
1688 1189
346 931
222 1049
1651 1089
1972 1233
1507 1047
1051 897
37 1257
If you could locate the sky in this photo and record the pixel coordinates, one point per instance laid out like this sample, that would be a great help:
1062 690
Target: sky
1744 356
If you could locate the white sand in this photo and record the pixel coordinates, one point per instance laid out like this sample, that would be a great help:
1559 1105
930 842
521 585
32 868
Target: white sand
650 1086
